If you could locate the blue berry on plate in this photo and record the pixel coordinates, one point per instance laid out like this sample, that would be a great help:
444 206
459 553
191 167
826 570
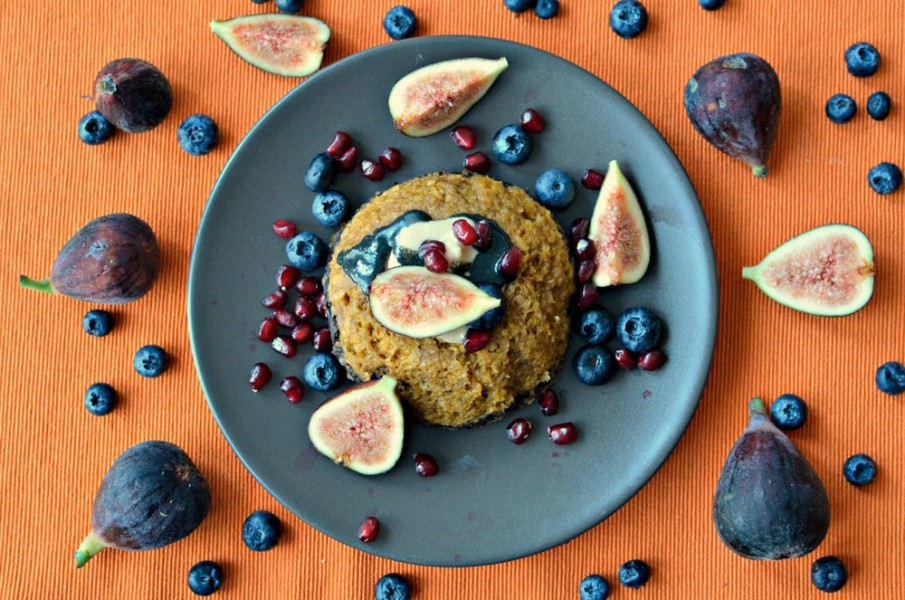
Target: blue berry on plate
330 208
198 135
594 364
594 587
859 469
634 573
95 129
639 329
306 251
841 108
597 325
890 378
519 6
546 9
862 59
323 372
289 6
711 4
492 317
879 105
150 361
261 530
392 586
205 578
788 412
828 574
97 322
512 145
100 399
400 22
554 189
885 178
628 18
321 173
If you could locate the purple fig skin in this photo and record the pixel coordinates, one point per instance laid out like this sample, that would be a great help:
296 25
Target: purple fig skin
769 502
132 94
734 101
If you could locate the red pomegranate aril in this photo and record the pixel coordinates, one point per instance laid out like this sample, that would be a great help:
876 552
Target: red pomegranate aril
284 345
292 388
435 261
428 245
585 271
485 236
348 160
322 341
584 249
341 142
592 180
259 376
477 162
625 358
369 529
509 263
309 286
532 121
426 465
579 229
651 361
321 303
391 158
285 317
518 430
587 296
549 403
476 340
275 299
285 229
463 136
287 275
464 232
305 308
372 170
268 329
302 333
562 434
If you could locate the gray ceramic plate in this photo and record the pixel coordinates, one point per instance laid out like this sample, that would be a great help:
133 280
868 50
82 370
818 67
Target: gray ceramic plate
493 501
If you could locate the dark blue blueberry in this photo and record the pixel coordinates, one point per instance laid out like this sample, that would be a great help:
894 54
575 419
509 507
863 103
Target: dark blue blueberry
95 129
597 325
788 412
392 586
885 178
323 372
634 573
639 330
546 9
628 18
890 378
321 173
492 317
519 6
554 189
859 469
862 59
879 105
330 208
198 135
594 364
711 4
400 22
259 1
512 145
261 530
306 251
205 577
289 6
828 574
150 361
97 322
841 108
594 587
100 399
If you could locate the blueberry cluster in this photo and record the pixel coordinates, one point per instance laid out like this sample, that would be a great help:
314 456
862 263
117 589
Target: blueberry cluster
632 574
285 6
638 331
544 9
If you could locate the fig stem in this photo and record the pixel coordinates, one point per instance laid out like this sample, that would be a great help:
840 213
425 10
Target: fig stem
89 547
42 285
749 272
756 406
759 170
106 85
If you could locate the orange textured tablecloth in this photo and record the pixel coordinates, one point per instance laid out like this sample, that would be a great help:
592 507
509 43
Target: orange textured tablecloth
53 453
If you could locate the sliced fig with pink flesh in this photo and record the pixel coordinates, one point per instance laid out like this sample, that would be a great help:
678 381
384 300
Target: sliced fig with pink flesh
619 233
435 96
362 428
827 271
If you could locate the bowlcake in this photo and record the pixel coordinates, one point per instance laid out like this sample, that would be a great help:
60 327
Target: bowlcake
442 384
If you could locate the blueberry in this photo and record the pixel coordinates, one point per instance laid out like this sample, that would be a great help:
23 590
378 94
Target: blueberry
321 173
885 178
711 4
594 364
519 6
841 108
95 129
639 330
890 378
100 399
628 18
392 586
306 251
512 145
859 469
879 105
97 322
492 317
546 9
597 325
594 587
862 59
150 361
828 574
400 22
634 573
330 208
554 189
788 412
323 372
205 577
198 135
261 530
289 6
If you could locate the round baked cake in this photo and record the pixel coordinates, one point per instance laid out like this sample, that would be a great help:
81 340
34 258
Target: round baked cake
442 383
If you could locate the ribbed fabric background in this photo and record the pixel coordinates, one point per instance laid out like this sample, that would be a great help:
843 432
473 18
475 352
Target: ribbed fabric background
53 453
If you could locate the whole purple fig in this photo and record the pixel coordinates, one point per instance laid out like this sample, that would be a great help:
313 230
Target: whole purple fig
132 94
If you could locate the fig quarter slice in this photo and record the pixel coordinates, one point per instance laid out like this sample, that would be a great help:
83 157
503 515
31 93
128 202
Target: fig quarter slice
362 428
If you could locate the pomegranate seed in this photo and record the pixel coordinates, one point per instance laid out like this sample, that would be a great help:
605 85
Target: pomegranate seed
287 275
591 179
372 170
348 160
549 403
562 434
519 430
477 162
578 230
259 376
391 158
651 361
464 232
587 296
532 121
429 245
585 270
275 299
341 142
584 249
368 530
625 359
285 229
485 235
303 332
426 465
309 286
322 341
509 263
463 136
268 329
305 308
435 261
284 345
321 303
476 339
292 388
285 317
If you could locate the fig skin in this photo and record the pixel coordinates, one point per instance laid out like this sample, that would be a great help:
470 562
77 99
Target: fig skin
113 259
769 502
132 94
734 101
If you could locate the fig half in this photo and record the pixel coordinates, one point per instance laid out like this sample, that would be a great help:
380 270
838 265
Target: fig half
437 95
362 428
827 271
